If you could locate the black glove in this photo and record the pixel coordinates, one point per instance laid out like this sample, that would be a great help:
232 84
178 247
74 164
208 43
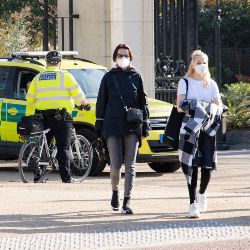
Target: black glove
145 128
86 107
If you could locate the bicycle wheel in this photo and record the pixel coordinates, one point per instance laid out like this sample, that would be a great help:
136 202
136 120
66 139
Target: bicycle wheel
27 161
80 168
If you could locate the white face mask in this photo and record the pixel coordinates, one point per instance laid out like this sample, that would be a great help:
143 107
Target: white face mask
201 68
123 62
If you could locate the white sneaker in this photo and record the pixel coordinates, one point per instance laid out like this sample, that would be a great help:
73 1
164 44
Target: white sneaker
202 202
194 211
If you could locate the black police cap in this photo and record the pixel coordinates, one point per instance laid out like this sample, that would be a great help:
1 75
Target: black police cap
53 57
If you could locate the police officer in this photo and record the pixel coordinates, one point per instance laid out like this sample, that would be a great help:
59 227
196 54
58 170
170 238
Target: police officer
54 94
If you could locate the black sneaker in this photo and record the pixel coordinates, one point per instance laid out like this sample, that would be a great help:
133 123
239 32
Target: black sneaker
126 209
115 204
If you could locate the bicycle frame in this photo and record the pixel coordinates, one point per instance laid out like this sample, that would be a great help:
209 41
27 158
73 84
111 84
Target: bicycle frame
44 144
36 152
42 140
74 137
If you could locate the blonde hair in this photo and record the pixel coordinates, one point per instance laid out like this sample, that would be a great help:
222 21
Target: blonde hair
191 71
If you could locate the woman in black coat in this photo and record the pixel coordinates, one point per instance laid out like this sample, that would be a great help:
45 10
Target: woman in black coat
122 138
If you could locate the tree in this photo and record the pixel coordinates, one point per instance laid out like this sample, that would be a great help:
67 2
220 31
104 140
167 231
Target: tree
235 31
14 35
234 26
26 19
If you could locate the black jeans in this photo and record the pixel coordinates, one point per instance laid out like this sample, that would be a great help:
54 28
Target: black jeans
61 130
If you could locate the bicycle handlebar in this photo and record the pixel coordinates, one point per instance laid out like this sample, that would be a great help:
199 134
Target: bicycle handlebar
86 107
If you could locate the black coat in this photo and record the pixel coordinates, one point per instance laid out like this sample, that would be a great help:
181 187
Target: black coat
110 112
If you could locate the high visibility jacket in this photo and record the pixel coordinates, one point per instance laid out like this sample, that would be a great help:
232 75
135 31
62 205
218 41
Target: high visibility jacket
54 89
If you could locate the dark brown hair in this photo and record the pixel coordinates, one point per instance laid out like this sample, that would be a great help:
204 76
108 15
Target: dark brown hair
122 46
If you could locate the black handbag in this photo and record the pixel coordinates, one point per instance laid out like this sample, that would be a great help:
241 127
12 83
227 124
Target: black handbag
29 124
133 115
174 122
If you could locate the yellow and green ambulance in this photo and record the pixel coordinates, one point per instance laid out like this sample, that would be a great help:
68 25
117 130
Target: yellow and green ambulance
18 70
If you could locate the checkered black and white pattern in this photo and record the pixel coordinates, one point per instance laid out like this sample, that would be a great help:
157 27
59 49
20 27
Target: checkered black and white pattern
202 116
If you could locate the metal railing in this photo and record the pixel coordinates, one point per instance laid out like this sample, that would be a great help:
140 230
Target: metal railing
166 95
168 73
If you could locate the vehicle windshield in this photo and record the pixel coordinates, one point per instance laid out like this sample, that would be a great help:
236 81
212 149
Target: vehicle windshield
89 80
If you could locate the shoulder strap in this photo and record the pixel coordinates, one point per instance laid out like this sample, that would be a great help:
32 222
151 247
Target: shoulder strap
118 89
186 80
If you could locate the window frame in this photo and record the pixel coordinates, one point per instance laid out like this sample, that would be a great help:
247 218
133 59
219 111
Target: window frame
10 81
17 81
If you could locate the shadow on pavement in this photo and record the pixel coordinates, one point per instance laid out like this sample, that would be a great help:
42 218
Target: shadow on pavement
57 223
11 174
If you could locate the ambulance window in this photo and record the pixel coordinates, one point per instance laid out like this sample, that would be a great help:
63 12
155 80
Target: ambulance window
89 80
5 76
22 82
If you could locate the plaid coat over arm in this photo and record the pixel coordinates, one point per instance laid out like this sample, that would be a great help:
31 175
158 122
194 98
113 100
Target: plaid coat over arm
202 116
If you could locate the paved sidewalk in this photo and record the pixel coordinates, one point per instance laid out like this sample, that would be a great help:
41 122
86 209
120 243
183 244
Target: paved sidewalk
78 216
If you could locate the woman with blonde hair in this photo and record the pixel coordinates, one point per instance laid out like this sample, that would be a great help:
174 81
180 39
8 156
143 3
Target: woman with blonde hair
202 105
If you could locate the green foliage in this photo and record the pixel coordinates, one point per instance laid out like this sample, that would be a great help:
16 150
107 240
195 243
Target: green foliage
14 35
212 71
237 99
235 19
22 24
227 74
8 7
205 27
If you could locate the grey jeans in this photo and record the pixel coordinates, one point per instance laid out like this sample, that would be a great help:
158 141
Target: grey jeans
115 147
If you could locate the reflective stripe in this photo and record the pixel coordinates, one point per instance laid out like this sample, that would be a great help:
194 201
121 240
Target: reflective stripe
40 90
31 95
52 88
53 98
72 88
53 94
35 83
99 119
78 96
62 79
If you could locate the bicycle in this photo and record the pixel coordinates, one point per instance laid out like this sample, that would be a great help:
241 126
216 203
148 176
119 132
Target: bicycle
35 153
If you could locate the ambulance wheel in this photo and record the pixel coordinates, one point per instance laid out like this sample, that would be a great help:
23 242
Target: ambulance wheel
163 167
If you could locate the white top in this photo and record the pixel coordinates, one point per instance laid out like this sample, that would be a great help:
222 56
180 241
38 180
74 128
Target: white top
197 90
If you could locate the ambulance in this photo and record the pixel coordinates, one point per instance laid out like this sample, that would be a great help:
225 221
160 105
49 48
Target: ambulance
18 70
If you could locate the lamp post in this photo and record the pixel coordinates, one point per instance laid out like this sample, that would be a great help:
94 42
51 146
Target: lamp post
217 42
